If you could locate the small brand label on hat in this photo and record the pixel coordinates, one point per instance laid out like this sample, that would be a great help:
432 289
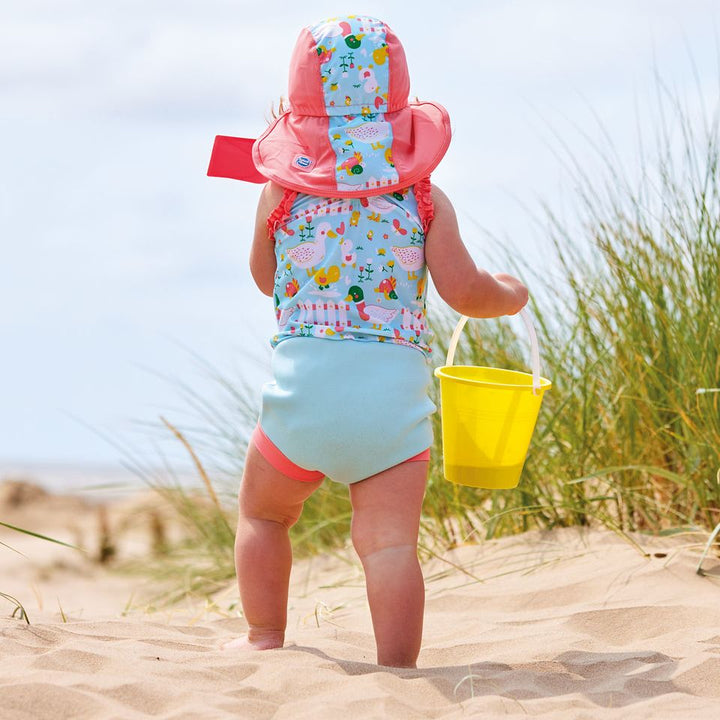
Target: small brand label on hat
303 162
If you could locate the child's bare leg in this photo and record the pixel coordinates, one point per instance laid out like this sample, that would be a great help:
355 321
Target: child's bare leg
269 505
385 525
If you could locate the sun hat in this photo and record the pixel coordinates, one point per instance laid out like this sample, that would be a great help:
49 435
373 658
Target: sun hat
350 131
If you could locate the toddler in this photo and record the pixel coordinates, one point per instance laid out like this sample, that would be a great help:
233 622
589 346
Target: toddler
347 226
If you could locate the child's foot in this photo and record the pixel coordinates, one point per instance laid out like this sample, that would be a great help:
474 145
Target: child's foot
257 641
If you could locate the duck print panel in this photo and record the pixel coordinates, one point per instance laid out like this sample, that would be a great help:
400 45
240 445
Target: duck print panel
363 150
354 68
353 56
352 269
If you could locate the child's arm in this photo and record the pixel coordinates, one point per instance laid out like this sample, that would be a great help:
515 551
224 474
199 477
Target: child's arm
461 284
262 253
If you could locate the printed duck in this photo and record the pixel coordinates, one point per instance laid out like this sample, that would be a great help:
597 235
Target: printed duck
375 313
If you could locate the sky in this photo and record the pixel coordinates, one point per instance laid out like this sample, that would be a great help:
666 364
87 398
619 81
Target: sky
124 268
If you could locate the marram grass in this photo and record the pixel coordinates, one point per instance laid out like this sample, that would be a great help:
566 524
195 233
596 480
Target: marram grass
18 608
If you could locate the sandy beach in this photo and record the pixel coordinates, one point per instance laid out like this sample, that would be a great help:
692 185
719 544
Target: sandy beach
563 624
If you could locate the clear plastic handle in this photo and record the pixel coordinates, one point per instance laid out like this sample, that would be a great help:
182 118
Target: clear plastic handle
534 349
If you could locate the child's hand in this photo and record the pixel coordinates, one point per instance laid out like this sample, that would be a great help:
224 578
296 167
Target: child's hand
517 293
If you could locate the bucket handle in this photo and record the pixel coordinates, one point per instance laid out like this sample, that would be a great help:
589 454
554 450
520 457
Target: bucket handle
534 349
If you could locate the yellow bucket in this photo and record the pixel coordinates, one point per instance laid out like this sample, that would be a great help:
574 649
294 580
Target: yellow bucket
488 417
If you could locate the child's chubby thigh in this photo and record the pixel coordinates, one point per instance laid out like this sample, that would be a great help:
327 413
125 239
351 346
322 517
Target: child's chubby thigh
347 408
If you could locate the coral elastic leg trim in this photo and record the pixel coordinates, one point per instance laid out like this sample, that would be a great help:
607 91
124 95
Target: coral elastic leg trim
275 457
421 456
282 464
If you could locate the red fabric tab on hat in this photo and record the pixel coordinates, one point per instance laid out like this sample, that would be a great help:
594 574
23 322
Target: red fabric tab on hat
232 158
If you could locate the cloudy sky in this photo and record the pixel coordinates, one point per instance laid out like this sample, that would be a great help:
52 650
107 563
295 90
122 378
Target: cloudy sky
120 258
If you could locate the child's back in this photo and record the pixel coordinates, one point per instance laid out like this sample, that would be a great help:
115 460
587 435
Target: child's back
351 268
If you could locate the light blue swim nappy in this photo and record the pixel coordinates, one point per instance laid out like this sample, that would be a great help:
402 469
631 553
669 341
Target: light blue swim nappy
347 408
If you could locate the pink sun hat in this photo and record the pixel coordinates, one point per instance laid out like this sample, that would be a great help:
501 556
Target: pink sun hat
350 131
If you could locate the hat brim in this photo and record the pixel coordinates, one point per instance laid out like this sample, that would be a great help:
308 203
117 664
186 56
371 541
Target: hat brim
420 137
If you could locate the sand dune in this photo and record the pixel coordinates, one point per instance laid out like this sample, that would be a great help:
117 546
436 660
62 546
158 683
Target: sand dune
554 625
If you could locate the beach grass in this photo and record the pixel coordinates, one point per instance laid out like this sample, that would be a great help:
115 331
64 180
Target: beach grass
629 326
18 608
628 318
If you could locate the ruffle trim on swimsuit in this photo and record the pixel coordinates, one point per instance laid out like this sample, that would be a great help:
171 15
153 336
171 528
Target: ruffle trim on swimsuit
281 214
423 194
426 208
